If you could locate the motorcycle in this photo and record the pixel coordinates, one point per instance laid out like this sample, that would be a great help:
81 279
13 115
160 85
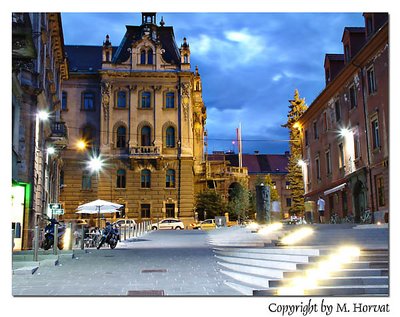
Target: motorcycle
110 235
48 240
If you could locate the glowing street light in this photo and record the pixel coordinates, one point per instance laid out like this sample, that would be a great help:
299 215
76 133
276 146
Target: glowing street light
51 150
81 145
43 115
95 164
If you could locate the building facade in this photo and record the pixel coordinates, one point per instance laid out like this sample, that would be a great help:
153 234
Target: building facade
345 131
138 108
38 133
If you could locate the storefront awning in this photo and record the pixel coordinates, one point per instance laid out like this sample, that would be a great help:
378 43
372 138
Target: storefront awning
334 189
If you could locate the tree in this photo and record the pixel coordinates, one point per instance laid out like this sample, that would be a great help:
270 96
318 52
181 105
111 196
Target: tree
295 176
210 204
239 201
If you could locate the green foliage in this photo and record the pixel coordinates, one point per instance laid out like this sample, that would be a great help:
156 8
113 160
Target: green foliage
295 176
239 203
211 202
267 180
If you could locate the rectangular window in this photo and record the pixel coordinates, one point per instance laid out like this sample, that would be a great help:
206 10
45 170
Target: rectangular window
337 110
341 155
380 190
170 100
328 162
353 97
274 185
121 99
347 53
88 101
64 100
288 202
317 169
357 145
121 178
146 100
325 121
315 127
145 210
170 210
375 134
287 186
86 180
371 81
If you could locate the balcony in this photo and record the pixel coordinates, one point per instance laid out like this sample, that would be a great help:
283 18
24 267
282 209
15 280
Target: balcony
59 134
144 152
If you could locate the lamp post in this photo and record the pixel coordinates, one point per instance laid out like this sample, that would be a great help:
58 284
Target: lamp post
95 165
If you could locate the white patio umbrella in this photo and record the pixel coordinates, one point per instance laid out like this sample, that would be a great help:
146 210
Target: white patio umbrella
98 206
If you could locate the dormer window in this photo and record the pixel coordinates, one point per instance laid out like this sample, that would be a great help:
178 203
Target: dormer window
347 56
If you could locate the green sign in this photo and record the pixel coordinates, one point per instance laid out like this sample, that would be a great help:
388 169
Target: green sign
57 211
55 206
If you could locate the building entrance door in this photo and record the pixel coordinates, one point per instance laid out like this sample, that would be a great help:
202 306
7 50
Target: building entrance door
359 200
170 210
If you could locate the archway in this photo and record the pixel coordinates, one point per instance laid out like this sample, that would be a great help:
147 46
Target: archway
359 200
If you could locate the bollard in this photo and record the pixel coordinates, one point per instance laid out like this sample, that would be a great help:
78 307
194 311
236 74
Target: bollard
36 244
71 236
55 248
82 238
12 241
125 232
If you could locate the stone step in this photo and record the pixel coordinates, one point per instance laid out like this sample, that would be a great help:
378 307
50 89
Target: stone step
366 290
255 270
351 265
345 273
46 262
230 243
265 256
258 262
25 270
290 251
339 281
242 289
253 281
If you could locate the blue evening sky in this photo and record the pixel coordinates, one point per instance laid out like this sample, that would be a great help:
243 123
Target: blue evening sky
250 64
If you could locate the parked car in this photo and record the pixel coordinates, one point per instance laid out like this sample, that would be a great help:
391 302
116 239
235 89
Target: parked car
122 223
168 223
204 225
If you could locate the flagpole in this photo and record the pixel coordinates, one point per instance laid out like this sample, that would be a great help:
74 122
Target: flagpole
240 145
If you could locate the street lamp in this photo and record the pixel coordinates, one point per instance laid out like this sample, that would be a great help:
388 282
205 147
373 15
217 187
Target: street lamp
95 164
81 145
43 115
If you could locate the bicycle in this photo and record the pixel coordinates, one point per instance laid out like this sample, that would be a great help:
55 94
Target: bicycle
348 219
335 218
366 217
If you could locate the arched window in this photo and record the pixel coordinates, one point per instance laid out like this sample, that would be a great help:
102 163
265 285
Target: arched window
121 137
145 178
143 57
146 100
121 178
170 137
185 59
150 56
170 100
121 99
170 179
145 136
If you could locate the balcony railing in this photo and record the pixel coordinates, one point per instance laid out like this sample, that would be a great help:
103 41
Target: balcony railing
59 134
144 151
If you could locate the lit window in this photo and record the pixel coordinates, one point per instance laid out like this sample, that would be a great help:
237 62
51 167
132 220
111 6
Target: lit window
170 179
380 191
145 178
121 178
287 186
341 155
357 145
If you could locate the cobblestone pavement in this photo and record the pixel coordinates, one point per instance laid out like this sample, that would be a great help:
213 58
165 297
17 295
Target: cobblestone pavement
178 263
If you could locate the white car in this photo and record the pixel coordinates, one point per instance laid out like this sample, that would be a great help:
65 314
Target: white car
168 223
125 223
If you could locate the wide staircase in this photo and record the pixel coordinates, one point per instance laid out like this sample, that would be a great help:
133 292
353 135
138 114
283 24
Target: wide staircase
261 268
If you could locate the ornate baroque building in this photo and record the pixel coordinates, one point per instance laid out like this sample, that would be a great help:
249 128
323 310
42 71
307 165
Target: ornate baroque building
138 107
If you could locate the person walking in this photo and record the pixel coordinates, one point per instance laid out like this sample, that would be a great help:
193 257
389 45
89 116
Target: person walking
321 209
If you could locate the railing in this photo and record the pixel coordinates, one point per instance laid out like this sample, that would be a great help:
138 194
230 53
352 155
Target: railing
58 129
236 170
144 151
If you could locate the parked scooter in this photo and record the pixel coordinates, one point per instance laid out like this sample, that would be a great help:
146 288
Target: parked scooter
110 235
48 240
